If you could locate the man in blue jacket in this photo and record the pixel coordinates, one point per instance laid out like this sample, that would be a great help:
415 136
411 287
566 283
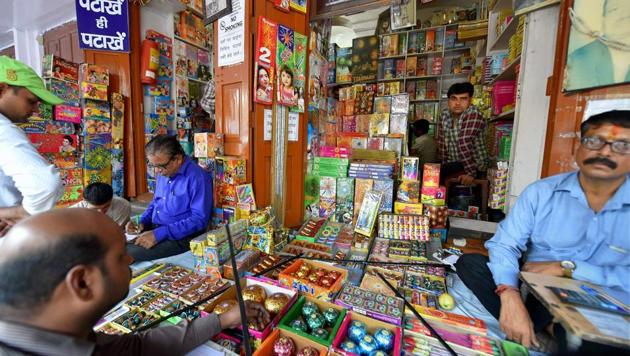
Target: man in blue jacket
181 206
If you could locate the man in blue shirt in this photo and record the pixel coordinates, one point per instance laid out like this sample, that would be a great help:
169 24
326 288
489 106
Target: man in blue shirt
181 205
573 225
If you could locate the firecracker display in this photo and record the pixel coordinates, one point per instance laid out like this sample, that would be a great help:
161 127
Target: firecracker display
83 137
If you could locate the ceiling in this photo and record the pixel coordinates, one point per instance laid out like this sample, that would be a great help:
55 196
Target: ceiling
37 15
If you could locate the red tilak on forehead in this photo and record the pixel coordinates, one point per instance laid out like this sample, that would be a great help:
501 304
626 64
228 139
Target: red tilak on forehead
615 130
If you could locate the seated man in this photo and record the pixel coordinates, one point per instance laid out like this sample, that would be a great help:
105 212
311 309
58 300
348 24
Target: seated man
461 136
84 273
573 225
181 206
100 196
424 146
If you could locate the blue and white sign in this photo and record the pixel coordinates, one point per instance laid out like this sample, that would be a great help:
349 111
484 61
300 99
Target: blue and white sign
103 24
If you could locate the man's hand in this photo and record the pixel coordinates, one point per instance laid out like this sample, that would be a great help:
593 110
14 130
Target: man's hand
5 226
514 319
255 313
133 228
465 179
549 268
146 240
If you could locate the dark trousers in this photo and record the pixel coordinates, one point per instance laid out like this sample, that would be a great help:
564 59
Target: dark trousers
473 270
166 248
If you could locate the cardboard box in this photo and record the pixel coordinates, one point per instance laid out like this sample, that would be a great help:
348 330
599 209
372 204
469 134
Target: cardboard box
244 260
266 348
372 325
295 313
208 145
270 289
431 175
408 208
433 195
477 326
231 170
286 279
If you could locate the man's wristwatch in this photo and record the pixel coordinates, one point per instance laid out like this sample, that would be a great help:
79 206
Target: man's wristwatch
567 268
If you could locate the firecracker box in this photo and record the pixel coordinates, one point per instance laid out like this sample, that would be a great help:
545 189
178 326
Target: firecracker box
431 175
244 260
230 294
408 208
231 170
58 68
93 91
371 326
288 278
226 194
208 145
217 255
438 216
433 195
93 73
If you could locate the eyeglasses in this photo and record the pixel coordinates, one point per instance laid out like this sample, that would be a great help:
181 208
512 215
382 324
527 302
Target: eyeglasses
595 143
160 166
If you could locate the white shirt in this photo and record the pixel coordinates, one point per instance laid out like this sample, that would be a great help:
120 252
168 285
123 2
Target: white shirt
119 211
26 178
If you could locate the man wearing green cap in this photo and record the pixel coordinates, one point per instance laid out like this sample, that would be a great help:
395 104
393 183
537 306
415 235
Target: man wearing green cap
28 183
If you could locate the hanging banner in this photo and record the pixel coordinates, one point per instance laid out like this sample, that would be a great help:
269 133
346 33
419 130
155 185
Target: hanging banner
300 70
231 36
286 67
265 61
103 24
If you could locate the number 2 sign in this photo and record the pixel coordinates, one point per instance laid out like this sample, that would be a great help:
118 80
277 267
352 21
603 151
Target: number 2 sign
264 69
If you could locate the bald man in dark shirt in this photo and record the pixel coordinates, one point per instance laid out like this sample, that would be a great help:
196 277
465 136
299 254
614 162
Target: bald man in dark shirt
61 271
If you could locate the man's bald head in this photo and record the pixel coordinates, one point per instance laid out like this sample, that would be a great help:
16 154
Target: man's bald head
39 251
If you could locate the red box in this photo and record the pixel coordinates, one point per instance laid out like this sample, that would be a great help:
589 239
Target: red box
431 175
47 143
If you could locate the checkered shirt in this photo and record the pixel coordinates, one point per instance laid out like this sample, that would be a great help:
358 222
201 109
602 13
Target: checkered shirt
464 140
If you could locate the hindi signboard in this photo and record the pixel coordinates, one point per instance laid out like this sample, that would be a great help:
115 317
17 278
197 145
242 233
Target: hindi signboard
103 24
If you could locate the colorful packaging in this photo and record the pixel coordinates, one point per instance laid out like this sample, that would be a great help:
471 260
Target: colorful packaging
300 70
93 73
66 91
364 58
245 195
265 64
408 208
379 124
58 68
409 191
93 91
286 77
410 168
231 170
386 187
367 213
343 65
431 175
47 143
438 216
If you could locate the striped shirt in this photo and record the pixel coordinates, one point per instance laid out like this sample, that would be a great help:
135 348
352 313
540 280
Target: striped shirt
463 140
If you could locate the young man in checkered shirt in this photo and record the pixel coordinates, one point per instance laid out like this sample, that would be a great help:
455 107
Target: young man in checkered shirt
461 136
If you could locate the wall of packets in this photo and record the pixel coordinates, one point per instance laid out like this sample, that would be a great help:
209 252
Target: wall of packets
84 136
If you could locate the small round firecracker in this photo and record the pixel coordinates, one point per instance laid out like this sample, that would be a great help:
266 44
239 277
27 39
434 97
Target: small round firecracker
299 324
367 344
284 346
309 308
225 306
303 271
326 281
320 333
320 272
313 278
357 330
378 353
276 302
308 351
254 293
331 315
384 339
315 321
350 346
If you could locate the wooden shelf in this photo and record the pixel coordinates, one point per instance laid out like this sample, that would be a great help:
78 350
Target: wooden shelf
392 57
390 80
423 77
504 116
424 53
192 43
423 100
453 75
457 49
508 73
502 40
332 85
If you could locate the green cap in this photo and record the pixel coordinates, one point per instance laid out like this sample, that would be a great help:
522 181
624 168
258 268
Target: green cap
16 73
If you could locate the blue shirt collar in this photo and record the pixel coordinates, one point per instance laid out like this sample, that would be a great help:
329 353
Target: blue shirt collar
182 170
572 185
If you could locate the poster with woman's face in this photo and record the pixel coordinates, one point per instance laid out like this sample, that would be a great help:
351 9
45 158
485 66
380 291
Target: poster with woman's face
265 61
